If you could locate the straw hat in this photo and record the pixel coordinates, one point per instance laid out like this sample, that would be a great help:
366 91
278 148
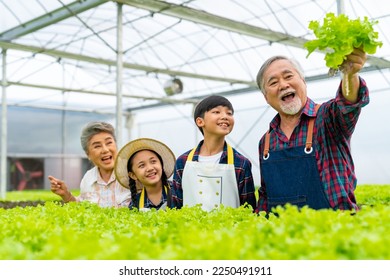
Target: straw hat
137 145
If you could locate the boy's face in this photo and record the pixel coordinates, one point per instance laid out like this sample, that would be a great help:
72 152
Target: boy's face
218 121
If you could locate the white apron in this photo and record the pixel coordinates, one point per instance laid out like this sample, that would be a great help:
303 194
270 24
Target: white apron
210 184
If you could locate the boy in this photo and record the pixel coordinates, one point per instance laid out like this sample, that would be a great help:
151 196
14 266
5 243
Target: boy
213 173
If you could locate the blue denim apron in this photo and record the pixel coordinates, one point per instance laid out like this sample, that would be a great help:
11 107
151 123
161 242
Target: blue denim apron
291 175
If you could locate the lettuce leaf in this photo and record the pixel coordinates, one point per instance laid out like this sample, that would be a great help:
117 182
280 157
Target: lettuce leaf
339 35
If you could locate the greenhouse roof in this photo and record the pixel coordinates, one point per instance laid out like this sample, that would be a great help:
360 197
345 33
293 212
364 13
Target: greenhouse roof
110 56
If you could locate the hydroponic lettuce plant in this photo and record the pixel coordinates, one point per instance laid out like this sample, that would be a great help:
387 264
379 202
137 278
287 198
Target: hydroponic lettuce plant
339 35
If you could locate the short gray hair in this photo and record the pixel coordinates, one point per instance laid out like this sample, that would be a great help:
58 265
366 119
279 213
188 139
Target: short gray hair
268 62
93 128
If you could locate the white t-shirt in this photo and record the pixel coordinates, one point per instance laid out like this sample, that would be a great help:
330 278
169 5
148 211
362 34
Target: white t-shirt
213 159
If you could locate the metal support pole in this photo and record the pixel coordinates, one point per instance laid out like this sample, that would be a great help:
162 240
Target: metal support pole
3 177
119 71
340 7
129 125
63 121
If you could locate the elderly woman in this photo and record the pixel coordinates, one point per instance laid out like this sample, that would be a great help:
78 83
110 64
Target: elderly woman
99 184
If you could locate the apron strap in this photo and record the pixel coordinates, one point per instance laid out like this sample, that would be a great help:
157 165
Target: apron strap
266 145
309 136
142 197
230 156
191 154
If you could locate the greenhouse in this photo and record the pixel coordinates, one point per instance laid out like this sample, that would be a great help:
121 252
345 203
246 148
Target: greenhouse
143 66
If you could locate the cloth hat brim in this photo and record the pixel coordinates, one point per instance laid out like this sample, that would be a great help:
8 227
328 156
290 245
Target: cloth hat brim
137 145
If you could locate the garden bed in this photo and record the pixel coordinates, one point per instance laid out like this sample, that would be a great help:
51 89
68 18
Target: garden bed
13 204
84 231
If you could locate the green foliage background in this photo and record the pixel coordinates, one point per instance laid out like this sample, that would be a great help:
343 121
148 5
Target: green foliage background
79 231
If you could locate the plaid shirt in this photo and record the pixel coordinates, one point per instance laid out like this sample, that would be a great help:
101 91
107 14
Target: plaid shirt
150 204
335 122
243 169
94 189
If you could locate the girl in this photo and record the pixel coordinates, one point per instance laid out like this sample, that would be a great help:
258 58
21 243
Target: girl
144 166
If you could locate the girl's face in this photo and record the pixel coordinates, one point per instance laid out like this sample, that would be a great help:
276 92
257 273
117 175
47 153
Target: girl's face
146 168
